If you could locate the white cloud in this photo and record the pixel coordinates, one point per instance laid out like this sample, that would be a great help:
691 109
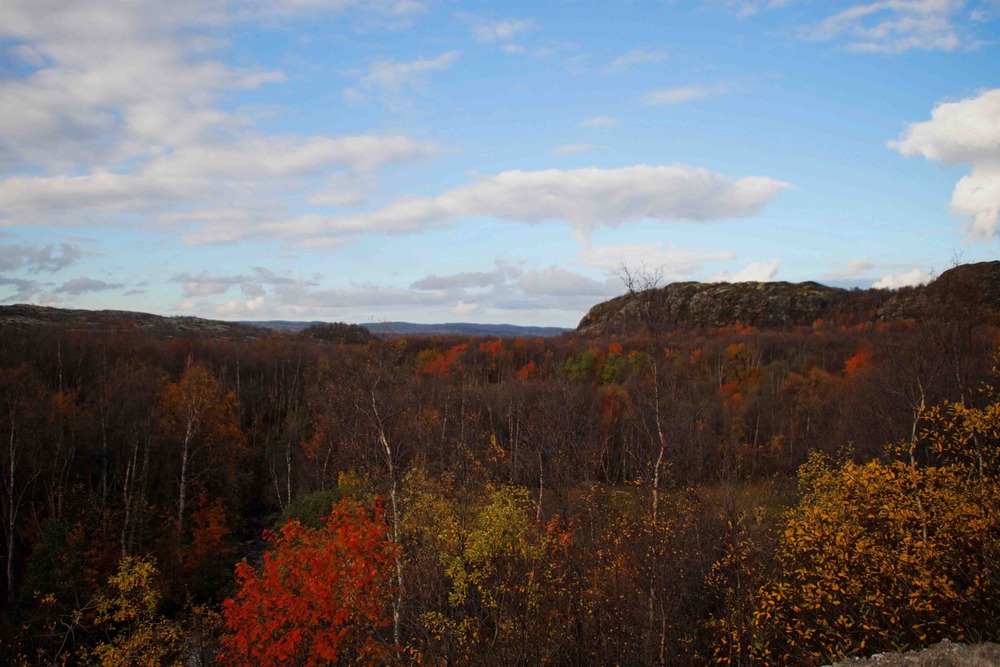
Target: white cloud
573 149
759 272
965 132
961 132
211 184
585 199
115 81
598 121
977 197
906 279
501 31
684 94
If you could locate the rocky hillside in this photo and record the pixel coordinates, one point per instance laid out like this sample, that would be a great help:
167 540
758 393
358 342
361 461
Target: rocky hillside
964 292
28 316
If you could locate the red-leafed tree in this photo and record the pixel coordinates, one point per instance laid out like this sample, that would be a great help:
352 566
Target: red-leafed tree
320 597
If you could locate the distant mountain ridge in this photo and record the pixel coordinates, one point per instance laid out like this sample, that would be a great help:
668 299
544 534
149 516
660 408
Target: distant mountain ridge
966 291
31 316
466 329
412 329
28 316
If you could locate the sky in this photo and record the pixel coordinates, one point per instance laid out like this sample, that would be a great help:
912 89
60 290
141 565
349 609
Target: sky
496 162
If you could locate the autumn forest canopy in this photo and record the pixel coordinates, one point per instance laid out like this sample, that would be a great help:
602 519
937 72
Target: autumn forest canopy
646 490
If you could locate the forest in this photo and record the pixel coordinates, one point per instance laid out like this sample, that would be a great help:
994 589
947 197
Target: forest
663 496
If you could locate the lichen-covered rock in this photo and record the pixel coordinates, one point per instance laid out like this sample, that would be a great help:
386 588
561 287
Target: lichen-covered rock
944 654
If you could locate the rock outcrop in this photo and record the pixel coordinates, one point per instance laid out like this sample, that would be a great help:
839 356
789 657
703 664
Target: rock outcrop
968 291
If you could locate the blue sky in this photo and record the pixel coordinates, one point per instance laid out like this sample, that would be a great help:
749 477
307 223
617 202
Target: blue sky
432 161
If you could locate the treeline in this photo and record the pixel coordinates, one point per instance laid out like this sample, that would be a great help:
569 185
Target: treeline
529 501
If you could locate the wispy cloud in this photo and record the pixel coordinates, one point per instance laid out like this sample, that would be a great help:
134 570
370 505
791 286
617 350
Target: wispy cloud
510 288
391 80
252 284
501 31
18 289
683 94
676 263
636 57
492 294
79 286
893 26
598 121
851 269
744 8
391 14
573 149
38 258
886 26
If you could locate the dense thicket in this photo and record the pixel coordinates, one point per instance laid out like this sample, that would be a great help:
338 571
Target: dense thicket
553 501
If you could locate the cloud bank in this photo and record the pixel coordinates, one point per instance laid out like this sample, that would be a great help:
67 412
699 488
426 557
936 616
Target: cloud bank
585 199
119 115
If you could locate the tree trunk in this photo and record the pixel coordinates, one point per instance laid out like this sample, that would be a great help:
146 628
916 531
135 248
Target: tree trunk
185 457
397 603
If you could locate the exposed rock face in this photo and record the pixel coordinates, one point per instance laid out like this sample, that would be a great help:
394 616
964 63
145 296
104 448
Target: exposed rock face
967 291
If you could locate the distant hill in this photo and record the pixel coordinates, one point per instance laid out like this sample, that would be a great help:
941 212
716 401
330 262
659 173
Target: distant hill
464 329
411 329
29 316
968 291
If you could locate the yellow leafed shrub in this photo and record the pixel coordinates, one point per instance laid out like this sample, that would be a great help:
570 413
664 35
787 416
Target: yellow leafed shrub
893 554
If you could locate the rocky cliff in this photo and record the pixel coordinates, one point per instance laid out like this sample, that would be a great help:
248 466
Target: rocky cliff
966 291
